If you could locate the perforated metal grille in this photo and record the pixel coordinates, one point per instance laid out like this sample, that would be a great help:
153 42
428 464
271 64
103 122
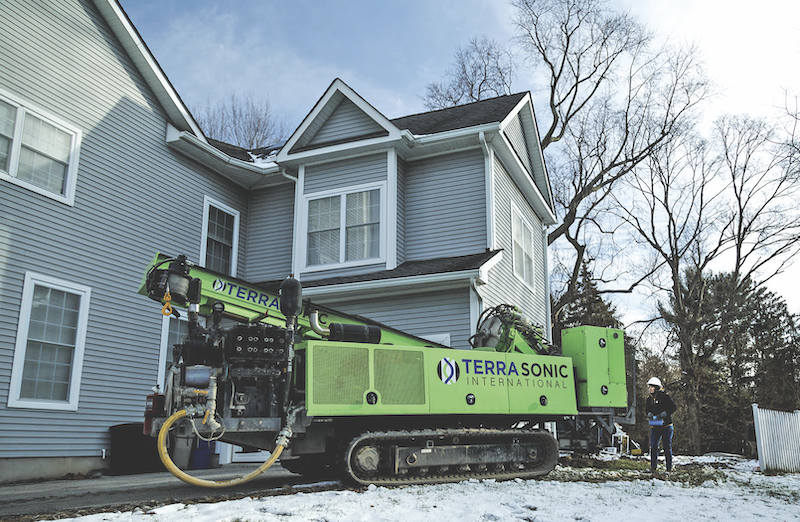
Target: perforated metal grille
341 374
399 377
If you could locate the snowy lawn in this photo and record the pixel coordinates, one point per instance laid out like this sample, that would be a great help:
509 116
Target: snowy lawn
700 489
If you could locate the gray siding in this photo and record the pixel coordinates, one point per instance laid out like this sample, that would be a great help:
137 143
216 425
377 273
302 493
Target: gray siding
445 202
504 287
270 236
345 173
516 135
134 197
421 313
347 122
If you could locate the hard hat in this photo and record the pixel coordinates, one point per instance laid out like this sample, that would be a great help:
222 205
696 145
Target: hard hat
655 381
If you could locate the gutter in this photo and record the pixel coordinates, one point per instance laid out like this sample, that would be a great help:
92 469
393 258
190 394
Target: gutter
424 139
175 138
480 276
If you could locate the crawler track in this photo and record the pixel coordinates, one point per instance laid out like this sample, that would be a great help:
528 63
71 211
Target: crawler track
449 455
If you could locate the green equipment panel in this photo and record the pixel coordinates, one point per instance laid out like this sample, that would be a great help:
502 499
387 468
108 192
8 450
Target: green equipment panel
368 379
599 358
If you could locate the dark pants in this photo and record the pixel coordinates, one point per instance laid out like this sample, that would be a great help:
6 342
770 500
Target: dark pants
664 434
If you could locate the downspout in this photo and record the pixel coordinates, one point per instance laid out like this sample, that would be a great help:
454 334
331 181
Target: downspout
288 176
477 308
489 183
548 304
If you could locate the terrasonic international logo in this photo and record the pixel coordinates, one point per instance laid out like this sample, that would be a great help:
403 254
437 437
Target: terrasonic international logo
448 370
245 294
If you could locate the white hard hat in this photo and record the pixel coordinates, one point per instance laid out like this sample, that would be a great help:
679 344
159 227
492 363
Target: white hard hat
654 381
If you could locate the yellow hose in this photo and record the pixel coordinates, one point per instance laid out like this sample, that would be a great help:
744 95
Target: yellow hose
175 470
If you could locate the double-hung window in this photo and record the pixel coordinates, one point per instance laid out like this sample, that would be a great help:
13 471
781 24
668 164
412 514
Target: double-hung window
37 151
522 238
219 249
344 228
48 356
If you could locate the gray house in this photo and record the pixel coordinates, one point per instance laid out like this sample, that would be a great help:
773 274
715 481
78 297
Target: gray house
419 222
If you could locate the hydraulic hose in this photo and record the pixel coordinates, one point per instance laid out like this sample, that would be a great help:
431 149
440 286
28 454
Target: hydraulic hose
280 444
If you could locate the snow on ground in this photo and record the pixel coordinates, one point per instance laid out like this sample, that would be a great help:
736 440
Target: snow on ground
712 488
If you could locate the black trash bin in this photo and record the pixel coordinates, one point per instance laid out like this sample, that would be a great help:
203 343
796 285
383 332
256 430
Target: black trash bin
132 451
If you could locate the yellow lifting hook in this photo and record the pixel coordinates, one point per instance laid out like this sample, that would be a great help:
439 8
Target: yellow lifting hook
167 309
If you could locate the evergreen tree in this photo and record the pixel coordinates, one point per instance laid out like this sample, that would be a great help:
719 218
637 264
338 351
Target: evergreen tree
586 308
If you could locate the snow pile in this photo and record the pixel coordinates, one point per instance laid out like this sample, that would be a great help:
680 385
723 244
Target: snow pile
727 489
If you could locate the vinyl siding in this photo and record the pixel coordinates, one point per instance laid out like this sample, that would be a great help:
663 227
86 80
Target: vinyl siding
345 173
270 237
347 122
420 313
516 135
134 197
445 204
504 286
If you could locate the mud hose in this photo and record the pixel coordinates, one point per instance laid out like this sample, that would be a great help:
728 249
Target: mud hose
280 444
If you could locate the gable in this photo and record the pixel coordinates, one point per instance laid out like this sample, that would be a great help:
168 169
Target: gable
340 117
346 122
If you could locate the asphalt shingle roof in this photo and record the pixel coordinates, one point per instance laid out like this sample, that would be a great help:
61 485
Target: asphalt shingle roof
408 269
460 117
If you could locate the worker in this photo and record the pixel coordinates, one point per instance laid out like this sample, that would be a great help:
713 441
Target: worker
660 408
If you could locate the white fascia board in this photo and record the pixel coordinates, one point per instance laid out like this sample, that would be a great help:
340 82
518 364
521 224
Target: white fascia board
483 271
526 100
352 148
211 156
526 184
426 139
396 283
531 130
147 65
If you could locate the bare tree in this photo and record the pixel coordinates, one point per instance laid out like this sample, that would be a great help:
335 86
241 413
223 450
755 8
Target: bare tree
245 121
582 46
671 211
697 207
481 69
615 98
763 175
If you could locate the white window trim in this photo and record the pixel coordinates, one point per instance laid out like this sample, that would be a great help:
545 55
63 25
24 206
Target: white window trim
162 354
23 108
303 228
71 404
209 202
515 210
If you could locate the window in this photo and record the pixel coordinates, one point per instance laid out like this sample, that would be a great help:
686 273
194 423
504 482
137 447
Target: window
38 152
48 357
219 248
522 238
344 228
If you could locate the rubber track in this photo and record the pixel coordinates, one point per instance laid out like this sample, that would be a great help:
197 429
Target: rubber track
549 461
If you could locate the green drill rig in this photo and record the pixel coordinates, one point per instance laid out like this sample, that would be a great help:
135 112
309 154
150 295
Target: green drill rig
328 391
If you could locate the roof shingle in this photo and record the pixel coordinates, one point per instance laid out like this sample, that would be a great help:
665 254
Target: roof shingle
460 117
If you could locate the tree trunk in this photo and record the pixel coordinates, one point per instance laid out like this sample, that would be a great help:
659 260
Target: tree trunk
691 406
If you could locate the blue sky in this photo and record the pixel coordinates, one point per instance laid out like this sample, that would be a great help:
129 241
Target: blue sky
388 50
292 50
